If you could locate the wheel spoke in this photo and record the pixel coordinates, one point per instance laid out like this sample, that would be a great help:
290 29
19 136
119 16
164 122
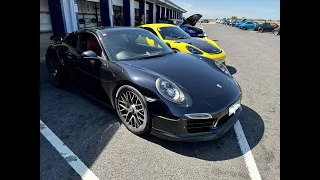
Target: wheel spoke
130 120
131 99
123 102
140 119
127 96
125 108
142 114
125 116
136 101
137 122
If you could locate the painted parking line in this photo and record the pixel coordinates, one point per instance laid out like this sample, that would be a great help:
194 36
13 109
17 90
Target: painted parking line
246 151
67 154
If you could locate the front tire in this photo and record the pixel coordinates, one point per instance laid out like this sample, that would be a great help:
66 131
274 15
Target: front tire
275 33
132 109
260 30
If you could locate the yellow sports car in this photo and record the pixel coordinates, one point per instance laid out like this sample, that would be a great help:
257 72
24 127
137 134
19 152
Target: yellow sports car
179 40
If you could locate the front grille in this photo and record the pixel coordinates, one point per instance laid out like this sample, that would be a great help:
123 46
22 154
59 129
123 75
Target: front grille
199 125
204 125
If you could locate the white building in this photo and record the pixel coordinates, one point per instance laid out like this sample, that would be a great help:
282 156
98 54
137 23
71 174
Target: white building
65 16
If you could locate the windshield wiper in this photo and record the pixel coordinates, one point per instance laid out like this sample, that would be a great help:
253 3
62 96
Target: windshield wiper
154 56
178 37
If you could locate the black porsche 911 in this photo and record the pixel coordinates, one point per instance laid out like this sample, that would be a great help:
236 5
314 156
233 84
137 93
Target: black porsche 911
172 95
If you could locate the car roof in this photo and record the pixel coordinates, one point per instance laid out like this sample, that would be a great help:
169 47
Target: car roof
158 25
175 19
109 28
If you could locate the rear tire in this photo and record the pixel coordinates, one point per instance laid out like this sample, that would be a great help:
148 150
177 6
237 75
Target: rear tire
56 72
244 28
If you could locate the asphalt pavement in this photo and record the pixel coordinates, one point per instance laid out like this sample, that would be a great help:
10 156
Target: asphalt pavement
93 132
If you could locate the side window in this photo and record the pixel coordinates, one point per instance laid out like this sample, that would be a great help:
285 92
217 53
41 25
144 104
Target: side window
89 42
72 40
151 30
249 22
265 25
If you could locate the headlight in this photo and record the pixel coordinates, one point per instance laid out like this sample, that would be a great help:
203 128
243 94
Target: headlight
170 91
193 50
222 67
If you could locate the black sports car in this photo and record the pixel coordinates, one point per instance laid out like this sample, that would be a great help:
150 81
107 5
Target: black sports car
173 95
265 27
188 25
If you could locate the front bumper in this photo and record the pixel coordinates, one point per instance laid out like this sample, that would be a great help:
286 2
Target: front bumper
184 129
219 57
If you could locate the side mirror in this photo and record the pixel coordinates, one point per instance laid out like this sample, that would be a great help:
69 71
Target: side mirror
89 55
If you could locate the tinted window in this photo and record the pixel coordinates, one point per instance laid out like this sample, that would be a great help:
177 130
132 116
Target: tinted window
89 42
151 30
170 33
134 44
249 23
165 21
265 24
178 22
72 40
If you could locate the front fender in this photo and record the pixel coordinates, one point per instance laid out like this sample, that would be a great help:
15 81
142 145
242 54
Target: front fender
180 46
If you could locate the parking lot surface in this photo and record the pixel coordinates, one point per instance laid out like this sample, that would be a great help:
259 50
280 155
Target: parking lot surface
93 133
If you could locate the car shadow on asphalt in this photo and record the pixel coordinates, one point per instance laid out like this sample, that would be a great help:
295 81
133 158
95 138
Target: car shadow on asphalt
224 148
84 125
232 70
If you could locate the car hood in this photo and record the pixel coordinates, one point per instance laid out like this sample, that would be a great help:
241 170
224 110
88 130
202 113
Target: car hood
192 20
193 75
201 44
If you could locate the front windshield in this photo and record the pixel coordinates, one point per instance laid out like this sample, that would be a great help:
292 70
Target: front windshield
134 44
172 33
178 22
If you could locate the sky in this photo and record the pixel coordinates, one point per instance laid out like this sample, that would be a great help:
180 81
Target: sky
251 9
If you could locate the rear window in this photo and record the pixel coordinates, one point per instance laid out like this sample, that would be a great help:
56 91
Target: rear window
171 33
165 21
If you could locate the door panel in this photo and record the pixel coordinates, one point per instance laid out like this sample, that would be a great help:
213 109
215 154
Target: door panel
89 71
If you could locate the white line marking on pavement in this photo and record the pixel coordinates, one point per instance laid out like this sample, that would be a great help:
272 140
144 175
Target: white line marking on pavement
246 151
248 157
67 154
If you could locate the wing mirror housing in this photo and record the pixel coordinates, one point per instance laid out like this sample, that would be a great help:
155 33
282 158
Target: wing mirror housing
89 55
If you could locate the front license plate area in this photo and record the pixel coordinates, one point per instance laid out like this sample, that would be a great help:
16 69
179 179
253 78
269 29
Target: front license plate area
234 108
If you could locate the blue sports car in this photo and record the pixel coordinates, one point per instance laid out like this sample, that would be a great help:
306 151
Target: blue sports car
247 25
188 25
243 20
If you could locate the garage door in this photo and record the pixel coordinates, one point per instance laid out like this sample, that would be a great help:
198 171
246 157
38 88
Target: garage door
45 21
